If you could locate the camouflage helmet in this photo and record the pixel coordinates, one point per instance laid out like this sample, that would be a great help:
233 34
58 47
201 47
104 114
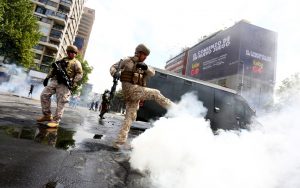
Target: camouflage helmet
142 48
72 48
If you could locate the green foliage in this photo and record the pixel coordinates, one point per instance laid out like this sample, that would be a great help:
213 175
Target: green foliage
291 83
19 31
87 69
289 89
1 8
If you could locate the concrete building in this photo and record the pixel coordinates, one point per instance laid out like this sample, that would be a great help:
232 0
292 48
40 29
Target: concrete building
58 21
84 29
178 63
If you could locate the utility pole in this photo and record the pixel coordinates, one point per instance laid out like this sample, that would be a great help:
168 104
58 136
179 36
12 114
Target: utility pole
241 84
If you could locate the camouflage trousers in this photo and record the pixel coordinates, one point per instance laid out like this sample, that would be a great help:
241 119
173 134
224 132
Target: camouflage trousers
133 94
62 96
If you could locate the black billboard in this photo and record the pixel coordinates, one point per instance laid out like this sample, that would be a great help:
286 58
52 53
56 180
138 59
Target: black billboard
241 48
216 56
258 52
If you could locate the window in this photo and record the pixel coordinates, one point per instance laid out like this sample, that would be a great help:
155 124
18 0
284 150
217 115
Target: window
46 20
37 56
43 1
39 47
59 27
66 2
45 30
61 15
47 60
40 10
54 42
63 9
52 4
44 68
49 52
55 33
42 19
44 39
49 12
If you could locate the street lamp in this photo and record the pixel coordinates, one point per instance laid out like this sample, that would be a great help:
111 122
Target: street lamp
241 84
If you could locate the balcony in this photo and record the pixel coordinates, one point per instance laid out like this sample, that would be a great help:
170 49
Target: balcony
40 2
59 17
44 68
49 43
55 35
66 3
50 53
58 27
47 60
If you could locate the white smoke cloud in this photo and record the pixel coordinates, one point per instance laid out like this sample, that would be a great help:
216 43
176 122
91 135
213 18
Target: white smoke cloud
182 151
19 83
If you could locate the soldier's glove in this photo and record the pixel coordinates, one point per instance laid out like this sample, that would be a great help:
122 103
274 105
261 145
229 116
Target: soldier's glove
142 66
117 75
45 82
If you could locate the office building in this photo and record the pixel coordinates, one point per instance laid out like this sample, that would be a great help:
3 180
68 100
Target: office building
58 22
84 30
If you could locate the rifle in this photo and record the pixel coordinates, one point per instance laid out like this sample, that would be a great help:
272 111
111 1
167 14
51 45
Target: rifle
62 76
115 82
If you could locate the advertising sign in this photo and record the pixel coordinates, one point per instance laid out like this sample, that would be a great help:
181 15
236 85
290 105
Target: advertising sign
258 52
217 56
243 48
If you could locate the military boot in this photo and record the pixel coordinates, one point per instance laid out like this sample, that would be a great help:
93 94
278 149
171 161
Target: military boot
53 124
117 145
44 118
121 146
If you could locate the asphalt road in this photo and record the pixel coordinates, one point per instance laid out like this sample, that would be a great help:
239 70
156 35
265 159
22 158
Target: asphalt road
77 154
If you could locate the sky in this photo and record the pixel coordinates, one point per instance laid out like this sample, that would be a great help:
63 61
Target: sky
167 26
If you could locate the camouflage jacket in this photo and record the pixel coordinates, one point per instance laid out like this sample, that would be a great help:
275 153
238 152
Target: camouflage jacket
128 64
73 68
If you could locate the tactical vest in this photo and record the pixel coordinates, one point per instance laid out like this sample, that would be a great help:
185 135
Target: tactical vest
136 76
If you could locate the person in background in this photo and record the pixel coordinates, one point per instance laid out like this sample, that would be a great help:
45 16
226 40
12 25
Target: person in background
31 90
105 104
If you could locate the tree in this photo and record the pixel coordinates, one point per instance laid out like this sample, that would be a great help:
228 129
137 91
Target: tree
290 83
289 88
19 32
1 9
87 69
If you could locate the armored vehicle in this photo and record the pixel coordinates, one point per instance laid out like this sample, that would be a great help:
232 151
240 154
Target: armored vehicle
226 108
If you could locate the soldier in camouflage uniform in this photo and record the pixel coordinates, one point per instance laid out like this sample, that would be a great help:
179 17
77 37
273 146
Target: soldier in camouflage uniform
133 75
105 103
73 70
